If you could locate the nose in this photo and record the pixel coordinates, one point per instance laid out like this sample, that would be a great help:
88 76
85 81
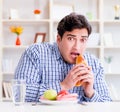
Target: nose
77 45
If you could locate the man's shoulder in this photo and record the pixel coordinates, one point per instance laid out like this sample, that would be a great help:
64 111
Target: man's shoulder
40 50
41 46
91 58
89 55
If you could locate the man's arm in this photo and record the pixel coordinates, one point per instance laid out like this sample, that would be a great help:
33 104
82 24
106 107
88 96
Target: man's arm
29 68
101 93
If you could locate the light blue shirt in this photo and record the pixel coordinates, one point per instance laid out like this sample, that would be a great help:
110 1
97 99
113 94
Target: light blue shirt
44 68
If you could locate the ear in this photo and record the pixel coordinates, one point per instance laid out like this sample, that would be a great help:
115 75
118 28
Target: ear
58 38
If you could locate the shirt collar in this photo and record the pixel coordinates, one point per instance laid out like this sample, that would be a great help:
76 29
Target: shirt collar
57 51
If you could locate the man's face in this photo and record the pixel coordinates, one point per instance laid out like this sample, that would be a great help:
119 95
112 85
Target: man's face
72 44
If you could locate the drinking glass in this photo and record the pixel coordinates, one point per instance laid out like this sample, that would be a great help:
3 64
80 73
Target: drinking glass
18 91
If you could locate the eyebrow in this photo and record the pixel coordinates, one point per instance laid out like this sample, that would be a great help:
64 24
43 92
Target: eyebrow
85 36
75 36
71 35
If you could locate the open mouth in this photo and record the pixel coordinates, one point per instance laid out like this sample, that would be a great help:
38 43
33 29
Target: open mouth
74 55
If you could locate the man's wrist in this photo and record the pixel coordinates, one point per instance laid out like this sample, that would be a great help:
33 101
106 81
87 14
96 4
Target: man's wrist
90 94
63 87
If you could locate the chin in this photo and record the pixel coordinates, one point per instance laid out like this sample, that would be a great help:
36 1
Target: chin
71 62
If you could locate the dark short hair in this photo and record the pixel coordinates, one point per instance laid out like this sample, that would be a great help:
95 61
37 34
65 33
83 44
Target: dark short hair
71 22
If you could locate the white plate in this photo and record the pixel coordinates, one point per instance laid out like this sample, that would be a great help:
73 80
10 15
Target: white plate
55 102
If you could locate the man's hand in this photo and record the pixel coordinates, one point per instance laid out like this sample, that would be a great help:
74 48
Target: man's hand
82 73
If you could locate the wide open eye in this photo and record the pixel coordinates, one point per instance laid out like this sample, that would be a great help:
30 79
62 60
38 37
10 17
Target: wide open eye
84 40
70 38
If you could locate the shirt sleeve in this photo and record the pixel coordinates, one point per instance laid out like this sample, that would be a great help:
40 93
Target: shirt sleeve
101 89
29 68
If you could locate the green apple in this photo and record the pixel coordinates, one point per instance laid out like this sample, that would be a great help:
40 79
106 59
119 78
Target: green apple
50 94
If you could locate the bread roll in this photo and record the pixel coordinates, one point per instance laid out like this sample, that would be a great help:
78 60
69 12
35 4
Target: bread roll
79 60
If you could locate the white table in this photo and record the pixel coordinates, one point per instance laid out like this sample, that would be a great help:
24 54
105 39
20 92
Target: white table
90 107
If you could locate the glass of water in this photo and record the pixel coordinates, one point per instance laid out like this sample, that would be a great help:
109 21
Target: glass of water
18 91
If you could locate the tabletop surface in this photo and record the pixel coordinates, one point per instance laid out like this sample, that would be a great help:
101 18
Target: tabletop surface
88 107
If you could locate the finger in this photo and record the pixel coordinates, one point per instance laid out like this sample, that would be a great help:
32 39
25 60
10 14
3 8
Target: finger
76 76
87 80
85 76
80 77
80 72
74 73
89 68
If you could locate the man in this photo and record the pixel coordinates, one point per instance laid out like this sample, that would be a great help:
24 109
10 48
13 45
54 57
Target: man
53 66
